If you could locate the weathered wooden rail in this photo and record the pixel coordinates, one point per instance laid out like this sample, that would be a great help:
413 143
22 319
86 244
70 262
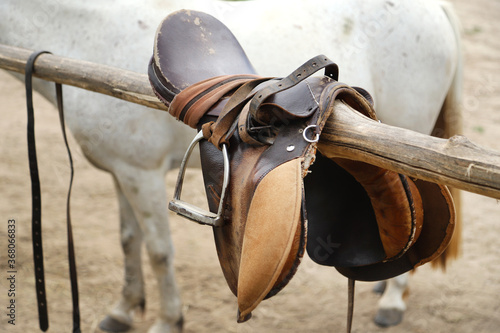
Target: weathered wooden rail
455 162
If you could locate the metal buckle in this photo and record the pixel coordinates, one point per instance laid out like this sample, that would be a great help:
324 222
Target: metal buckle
190 211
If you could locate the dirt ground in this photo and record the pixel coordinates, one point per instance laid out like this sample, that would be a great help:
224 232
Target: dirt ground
465 299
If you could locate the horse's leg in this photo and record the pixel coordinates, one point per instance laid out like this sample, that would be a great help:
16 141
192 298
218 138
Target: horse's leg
391 305
120 318
379 287
145 191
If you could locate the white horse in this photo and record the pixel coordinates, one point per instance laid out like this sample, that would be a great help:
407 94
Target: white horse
405 53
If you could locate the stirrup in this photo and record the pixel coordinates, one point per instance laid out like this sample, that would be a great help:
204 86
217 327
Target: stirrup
190 211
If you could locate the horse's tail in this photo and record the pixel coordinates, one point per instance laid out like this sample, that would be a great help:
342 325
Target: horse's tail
449 124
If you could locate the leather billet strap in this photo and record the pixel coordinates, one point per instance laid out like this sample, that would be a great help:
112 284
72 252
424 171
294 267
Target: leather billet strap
37 208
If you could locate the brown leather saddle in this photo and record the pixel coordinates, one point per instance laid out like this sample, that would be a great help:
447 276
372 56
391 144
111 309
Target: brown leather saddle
271 195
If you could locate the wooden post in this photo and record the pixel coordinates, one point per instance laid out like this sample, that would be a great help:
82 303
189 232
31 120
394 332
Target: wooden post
456 161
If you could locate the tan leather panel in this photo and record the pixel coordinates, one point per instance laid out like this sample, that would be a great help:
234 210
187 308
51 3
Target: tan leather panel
272 222
229 238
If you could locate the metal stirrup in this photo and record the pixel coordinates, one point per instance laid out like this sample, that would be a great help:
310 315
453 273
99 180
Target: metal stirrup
190 211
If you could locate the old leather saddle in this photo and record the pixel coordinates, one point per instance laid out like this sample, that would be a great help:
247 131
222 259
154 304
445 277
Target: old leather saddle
270 194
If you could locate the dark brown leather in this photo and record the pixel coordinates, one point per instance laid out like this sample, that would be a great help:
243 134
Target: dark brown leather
435 236
368 222
217 52
396 204
283 235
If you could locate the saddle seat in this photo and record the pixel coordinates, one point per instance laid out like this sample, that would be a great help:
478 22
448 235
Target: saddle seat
282 197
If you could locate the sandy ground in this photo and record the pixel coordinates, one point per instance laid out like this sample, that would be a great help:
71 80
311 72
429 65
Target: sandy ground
465 299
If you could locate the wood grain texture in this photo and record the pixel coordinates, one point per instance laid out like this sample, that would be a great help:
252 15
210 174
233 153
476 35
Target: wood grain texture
456 162
127 85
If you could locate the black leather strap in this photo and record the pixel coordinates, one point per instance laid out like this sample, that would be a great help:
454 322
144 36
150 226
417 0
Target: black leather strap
303 72
221 131
71 248
37 205
36 213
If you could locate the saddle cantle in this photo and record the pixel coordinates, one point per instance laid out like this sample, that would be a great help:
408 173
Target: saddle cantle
271 195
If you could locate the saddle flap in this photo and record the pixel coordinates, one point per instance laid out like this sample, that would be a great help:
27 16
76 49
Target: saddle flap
270 234
439 220
263 239
395 201
439 224
344 229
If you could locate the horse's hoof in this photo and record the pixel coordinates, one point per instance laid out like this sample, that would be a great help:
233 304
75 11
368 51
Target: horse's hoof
163 327
379 287
110 324
388 317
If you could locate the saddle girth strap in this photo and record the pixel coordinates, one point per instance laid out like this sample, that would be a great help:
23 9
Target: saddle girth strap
36 205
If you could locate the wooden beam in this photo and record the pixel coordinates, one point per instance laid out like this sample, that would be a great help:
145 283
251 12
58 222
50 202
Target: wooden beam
456 162
127 85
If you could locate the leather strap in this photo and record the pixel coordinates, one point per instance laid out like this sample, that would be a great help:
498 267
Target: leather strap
71 248
37 208
350 303
300 74
193 102
36 200
196 100
200 98
221 131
